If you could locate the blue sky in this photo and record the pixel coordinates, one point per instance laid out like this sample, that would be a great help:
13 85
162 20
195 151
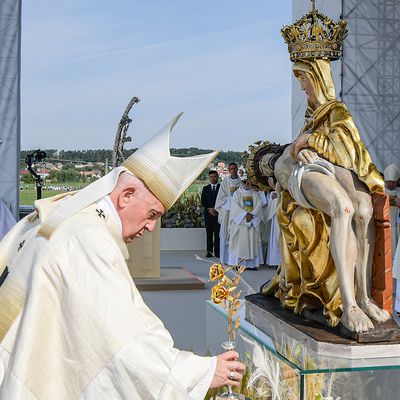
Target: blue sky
223 63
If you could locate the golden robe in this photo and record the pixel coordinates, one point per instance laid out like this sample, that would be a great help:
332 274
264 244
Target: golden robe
307 269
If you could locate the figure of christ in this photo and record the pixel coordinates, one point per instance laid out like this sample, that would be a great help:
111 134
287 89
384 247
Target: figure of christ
314 182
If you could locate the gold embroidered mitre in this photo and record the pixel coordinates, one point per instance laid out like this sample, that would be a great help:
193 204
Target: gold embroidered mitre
315 36
167 177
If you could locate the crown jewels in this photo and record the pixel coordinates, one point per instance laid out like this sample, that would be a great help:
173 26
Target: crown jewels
315 36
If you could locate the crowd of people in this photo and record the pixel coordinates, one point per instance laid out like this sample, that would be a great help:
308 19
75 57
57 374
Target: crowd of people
240 222
54 188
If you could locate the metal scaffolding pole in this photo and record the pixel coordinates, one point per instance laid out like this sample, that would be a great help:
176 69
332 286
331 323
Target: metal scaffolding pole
371 78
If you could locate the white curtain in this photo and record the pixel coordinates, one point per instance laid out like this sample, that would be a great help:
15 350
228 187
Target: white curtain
10 46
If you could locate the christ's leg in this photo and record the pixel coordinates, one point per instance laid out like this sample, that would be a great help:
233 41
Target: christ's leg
363 225
328 196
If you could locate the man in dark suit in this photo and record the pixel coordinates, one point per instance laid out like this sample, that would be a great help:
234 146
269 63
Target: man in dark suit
208 197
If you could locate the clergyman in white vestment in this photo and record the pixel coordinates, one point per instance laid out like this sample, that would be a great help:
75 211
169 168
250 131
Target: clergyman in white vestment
72 322
244 223
223 206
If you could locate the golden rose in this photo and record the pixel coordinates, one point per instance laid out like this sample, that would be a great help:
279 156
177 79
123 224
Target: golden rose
216 272
218 294
225 281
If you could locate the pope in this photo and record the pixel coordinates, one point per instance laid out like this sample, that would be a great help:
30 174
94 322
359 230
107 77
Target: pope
72 322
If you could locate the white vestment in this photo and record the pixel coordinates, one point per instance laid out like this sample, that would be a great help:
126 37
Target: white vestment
223 206
245 237
273 255
7 220
72 322
394 212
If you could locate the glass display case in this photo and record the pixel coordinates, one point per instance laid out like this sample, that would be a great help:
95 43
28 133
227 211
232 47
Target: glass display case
289 370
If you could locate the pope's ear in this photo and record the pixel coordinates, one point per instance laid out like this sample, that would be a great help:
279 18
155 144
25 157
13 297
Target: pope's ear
127 195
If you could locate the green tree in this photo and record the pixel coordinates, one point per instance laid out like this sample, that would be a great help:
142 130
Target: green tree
28 178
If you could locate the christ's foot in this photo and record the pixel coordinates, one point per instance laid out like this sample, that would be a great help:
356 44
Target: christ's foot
373 311
355 320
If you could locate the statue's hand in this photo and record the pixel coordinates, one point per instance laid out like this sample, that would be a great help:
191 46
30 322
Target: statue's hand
271 182
307 156
300 143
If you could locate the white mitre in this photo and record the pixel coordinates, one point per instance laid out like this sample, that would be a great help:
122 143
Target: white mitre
167 178
392 173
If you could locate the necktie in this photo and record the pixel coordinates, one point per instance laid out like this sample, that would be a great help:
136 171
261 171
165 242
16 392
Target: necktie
213 189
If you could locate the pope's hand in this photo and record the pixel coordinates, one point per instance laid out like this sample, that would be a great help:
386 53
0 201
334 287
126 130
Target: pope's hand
226 363
300 143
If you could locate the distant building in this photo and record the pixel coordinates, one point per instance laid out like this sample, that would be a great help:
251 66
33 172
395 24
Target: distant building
43 173
211 165
96 173
92 174
223 174
23 172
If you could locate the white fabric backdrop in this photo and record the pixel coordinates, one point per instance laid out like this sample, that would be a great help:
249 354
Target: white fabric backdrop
10 44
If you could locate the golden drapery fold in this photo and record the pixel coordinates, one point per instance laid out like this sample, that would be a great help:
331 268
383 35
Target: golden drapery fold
307 269
335 137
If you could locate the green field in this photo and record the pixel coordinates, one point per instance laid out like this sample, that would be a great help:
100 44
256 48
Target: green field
27 197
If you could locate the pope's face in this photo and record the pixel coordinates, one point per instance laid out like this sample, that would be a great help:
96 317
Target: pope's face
307 87
140 213
233 170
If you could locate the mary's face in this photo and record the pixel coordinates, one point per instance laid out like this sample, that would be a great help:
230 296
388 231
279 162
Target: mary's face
307 87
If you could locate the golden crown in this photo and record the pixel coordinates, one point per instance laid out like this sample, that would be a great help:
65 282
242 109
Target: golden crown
315 36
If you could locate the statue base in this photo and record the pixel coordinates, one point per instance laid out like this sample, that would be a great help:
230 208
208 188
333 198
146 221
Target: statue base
312 329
